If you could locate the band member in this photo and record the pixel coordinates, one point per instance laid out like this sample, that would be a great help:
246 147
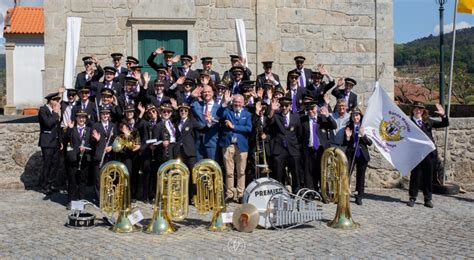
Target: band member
237 61
247 90
119 70
423 172
109 100
90 74
319 88
346 93
342 117
286 132
158 96
103 134
130 62
184 96
295 92
234 144
207 66
86 105
49 120
167 131
238 73
316 125
132 94
357 152
278 93
109 83
305 74
150 154
129 141
220 91
186 70
260 138
205 112
66 107
268 75
76 141
171 71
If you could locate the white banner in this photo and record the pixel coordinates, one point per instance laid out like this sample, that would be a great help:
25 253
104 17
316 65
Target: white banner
241 40
73 36
395 135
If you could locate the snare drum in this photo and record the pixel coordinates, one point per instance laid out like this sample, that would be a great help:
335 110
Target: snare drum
82 221
259 192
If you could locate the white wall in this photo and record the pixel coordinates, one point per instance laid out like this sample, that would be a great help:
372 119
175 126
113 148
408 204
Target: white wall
28 63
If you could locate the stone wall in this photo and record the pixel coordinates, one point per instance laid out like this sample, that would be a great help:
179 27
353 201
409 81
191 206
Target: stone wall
20 157
352 37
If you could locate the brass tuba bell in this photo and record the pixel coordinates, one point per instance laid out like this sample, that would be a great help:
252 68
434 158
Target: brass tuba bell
207 176
335 187
172 199
115 195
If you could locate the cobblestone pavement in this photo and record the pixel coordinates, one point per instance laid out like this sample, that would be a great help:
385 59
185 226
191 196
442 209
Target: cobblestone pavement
35 227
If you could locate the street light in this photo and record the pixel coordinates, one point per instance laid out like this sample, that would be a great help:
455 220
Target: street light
441 50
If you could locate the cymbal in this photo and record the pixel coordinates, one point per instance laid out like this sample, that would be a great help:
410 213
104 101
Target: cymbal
245 218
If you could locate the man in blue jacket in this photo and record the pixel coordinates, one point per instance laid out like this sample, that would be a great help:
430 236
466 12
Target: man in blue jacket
234 144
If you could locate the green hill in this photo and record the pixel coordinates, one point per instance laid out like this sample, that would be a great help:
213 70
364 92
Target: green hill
425 51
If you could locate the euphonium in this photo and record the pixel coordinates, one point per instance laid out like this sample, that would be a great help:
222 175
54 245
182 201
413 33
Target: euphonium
115 195
335 187
126 141
172 200
207 176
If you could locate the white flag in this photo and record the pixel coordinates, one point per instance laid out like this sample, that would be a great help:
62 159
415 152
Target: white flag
394 134
73 35
241 39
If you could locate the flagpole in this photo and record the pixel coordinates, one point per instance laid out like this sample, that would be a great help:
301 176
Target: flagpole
446 131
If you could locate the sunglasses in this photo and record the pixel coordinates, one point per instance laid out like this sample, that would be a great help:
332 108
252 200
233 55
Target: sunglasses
293 77
238 74
183 110
166 111
152 112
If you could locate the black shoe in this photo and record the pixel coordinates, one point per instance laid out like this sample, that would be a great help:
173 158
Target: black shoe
229 199
68 206
358 201
411 203
428 204
240 200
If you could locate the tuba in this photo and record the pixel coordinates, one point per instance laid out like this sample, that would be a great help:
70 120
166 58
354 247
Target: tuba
207 176
115 195
171 202
335 187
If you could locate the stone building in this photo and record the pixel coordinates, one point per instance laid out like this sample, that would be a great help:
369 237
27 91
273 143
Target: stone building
352 37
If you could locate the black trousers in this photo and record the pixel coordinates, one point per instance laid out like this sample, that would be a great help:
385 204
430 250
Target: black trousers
360 165
50 167
294 167
190 161
312 167
132 161
422 175
77 179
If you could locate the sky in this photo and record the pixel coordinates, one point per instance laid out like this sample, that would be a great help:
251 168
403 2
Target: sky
414 19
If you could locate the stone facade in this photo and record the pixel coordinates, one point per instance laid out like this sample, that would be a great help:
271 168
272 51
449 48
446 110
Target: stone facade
20 157
352 37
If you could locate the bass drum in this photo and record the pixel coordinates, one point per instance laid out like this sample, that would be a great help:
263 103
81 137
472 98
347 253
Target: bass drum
258 193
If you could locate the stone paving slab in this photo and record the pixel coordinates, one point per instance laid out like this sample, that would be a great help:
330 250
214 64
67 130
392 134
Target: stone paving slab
33 227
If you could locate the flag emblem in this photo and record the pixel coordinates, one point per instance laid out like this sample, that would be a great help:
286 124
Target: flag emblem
391 130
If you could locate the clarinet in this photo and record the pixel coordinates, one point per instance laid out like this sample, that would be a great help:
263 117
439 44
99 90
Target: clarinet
82 152
107 144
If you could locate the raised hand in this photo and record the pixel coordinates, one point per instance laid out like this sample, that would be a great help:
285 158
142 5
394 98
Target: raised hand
174 103
146 77
275 105
260 92
348 132
94 59
159 50
322 69
176 58
361 131
140 107
258 107
327 98
197 92
340 82
61 90
180 80
440 110
324 111
95 135
194 59
70 124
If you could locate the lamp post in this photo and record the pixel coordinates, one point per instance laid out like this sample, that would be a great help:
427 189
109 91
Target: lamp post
441 51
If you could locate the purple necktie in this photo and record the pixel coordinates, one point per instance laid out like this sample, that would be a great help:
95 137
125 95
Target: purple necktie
293 103
315 135
173 131
158 100
301 80
81 131
286 120
356 141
